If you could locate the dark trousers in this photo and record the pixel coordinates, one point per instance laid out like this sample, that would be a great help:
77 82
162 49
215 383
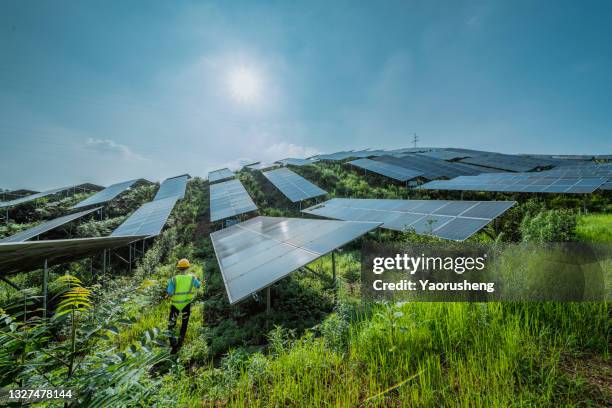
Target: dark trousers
174 312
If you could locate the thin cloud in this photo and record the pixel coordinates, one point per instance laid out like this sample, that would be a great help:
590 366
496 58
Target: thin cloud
110 147
283 150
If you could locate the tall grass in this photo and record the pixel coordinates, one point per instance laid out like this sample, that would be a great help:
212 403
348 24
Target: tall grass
452 354
595 228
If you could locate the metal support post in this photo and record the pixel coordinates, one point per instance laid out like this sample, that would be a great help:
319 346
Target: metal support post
268 307
333 256
45 288
104 262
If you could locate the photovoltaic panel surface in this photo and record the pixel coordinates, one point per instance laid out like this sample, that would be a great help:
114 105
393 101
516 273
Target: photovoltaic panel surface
33 197
293 186
172 187
443 154
46 226
335 156
454 220
26 256
598 170
219 175
228 199
107 194
262 166
148 220
518 183
431 168
256 253
508 162
296 162
386 169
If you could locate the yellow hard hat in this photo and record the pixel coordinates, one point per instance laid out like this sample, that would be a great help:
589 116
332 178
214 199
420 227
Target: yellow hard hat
183 264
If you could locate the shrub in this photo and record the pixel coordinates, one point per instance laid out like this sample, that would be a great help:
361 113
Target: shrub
549 226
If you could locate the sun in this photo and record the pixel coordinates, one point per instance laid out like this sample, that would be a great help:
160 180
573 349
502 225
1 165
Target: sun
244 84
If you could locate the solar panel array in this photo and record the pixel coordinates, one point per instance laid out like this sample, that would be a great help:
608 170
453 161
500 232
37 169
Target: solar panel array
335 156
172 187
107 194
594 170
46 226
219 175
151 217
338 156
443 154
454 220
13 194
256 253
33 197
228 199
508 162
386 169
293 186
148 220
25 256
431 168
296 162
518 183
262 166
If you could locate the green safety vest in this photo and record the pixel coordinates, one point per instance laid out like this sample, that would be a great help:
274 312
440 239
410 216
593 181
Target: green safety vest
184 290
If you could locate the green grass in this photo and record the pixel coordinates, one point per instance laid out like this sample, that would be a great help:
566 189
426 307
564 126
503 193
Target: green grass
363 354
420 354
595 228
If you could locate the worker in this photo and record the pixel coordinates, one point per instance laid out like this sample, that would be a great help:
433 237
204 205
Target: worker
182 289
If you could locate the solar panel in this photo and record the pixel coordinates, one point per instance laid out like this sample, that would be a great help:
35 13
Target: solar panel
228 199
431 168
172 187
293 186
33 197
148 220
335 156
107 194
256 253
386 169
296 162
26 256
518 183
262 166
601 170
219 175
443 154
455 220
367 153
6 195
508 162
46 226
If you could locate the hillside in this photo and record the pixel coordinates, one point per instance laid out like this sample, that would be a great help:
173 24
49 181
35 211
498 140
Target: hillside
320 345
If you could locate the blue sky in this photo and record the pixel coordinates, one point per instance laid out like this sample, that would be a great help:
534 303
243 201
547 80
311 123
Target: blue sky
107 91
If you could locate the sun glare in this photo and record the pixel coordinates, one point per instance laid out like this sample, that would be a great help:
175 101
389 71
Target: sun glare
244 84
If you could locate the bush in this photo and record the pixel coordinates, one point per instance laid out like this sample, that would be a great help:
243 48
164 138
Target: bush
549 226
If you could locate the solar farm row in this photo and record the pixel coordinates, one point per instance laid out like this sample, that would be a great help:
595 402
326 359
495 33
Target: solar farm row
228 199
453 220
295 187
258 252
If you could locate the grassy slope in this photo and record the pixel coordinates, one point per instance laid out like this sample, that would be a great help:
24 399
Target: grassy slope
415 355
412 354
